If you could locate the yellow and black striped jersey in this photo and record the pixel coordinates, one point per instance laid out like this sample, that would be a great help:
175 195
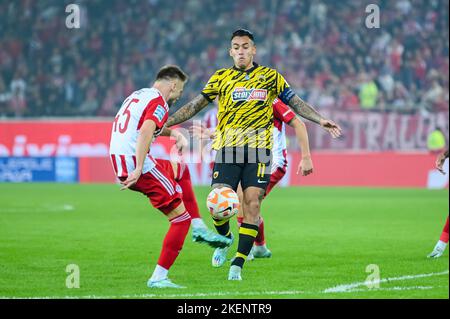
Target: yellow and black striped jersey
245 115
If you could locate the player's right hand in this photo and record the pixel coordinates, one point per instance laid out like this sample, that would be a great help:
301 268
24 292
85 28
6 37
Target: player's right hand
201 132
181 143
131 179
332 128
440 163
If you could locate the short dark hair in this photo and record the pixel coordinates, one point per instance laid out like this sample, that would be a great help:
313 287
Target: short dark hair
169 72
243 33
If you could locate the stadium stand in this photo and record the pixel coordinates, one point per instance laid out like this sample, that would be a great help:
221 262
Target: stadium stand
323 49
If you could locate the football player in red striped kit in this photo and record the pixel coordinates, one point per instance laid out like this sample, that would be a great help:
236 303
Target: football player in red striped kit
140 119
442 243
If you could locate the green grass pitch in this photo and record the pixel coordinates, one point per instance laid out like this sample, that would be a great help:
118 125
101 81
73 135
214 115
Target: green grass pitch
321 238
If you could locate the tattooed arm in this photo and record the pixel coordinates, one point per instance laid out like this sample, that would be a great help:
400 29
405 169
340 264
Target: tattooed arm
308 112
188 111
304 109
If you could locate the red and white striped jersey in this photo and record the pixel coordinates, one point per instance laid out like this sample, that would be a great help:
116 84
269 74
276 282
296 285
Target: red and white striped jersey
210 118
281 114
145 104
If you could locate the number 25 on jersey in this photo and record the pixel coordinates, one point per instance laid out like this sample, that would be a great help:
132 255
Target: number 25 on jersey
127 114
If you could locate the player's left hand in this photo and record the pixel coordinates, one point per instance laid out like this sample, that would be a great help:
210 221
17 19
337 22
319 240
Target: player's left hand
332 128
131 179
305 166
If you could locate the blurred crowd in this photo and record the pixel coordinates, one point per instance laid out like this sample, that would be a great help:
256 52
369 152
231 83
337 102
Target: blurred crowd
323 48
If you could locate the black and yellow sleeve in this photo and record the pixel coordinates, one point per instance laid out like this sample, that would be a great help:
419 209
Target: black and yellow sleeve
211 89
283 90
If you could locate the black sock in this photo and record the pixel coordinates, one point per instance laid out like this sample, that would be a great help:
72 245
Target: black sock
247 235
223 227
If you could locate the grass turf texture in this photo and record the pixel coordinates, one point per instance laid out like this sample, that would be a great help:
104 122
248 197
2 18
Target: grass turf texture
320 238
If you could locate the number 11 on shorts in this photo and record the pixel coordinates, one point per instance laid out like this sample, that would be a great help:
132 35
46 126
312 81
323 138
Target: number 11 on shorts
261 170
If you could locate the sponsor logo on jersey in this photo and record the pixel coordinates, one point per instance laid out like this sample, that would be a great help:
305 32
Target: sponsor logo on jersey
243 94
159 112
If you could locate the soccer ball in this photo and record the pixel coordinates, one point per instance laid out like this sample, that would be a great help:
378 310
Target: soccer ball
222 203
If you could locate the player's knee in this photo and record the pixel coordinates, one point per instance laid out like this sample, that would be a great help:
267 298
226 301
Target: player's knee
252 206
255 207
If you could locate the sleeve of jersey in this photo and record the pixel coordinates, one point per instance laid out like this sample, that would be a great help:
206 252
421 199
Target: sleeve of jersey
283 90
156 112
211 89
282 112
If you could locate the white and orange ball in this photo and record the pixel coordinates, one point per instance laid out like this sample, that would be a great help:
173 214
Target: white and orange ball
222 203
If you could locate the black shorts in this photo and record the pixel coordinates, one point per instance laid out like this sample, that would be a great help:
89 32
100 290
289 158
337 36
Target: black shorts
248 166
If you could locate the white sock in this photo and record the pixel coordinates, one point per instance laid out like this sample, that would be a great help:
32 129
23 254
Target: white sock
441 244
198 223
159 273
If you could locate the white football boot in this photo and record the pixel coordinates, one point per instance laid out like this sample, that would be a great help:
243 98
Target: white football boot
220 254
235 273
261 252
438 250
204 235
163 283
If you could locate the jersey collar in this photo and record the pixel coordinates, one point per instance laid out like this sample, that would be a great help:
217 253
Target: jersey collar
255 65
158 91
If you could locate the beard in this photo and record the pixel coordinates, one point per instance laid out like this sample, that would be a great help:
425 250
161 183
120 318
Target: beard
243 64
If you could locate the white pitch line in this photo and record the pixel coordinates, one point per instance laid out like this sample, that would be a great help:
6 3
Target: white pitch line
338 289
42 209
347 287
393 289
